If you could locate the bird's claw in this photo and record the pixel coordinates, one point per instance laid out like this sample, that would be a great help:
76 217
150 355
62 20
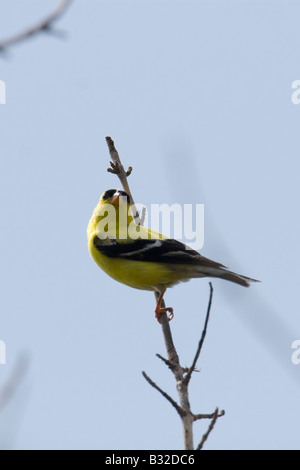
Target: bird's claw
159 311
171 316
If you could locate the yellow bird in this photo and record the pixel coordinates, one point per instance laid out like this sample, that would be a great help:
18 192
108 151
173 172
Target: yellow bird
143 258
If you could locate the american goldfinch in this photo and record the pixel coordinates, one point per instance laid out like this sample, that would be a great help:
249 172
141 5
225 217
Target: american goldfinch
141 257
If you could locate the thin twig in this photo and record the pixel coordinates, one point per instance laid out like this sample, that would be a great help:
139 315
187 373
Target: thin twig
170 365
211 427
43 25
164 394
208 416
200 345
118 169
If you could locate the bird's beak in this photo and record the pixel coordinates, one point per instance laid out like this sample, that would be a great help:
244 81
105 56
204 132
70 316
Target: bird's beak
115 199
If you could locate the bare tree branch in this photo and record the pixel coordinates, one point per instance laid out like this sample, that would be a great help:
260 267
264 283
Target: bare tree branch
164 394
182 389
45 24
200 345
168 363
209 416
211 427
118 169
182 375
167 334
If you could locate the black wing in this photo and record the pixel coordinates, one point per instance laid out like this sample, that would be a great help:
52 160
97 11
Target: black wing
157 251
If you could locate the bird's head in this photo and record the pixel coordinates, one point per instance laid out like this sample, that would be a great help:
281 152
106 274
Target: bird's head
116 197
112 215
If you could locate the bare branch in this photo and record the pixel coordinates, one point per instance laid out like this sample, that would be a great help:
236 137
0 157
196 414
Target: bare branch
182 389
170 365
182 380
118 169
128 172
171 350
45 24
164 394
209 416
165 361
211 427
200 345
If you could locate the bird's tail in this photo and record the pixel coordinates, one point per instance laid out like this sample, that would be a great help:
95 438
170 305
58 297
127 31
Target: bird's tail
200 266
234 277
211 269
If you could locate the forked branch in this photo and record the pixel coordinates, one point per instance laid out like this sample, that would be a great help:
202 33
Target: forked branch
215 417
182 374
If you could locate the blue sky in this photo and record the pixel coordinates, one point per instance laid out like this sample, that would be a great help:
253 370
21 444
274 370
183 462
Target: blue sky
197 96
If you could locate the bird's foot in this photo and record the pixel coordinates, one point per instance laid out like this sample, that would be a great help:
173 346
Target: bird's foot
159 311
